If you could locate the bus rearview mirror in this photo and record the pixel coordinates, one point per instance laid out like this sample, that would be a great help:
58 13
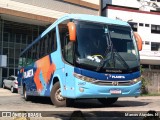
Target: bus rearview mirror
138 40
72 31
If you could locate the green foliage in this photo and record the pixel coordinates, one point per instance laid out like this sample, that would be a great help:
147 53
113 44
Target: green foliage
144 82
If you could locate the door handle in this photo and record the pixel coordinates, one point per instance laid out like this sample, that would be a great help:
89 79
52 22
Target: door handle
66 74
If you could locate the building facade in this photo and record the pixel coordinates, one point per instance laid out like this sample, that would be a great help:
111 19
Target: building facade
21 21
143 16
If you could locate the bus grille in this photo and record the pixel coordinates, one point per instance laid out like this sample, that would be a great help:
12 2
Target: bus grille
112 83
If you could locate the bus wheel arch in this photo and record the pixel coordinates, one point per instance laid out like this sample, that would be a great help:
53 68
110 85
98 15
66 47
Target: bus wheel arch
56 97
55 79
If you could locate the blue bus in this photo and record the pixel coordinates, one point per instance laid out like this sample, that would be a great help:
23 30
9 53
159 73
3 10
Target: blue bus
82 56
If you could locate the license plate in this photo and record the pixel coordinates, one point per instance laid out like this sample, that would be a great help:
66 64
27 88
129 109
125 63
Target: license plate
115 91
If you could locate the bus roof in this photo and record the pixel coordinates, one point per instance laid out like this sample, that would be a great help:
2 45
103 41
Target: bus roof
83 17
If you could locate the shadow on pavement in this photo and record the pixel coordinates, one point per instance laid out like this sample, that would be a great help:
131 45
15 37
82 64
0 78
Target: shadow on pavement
95 104
41 100
91 103
103 115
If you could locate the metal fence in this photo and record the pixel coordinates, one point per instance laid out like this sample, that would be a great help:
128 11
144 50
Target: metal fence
153 81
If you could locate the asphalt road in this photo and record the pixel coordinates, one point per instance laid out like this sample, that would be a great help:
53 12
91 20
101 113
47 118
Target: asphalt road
129 107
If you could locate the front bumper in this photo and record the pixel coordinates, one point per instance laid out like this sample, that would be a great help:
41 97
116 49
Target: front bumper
89 90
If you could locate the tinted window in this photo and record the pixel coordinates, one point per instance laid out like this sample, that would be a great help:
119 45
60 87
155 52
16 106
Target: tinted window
140 24
12 78
66 45
155 29
155 46
43 47
146 25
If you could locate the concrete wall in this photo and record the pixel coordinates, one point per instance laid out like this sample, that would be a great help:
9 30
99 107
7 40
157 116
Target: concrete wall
153 81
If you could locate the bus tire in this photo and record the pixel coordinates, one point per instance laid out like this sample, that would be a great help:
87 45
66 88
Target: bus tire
57 98
107 101
26 97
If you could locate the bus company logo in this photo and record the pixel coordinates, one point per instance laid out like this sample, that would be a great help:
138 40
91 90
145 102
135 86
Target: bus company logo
118 76
28 73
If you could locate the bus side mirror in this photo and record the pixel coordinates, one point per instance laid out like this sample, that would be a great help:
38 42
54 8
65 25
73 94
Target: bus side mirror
72 31
138 40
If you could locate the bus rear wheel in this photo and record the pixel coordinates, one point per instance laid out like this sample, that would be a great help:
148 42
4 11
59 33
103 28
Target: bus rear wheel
107 101
26 97
57 99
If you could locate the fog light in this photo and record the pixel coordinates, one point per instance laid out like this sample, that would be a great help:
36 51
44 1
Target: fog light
81 89
135 80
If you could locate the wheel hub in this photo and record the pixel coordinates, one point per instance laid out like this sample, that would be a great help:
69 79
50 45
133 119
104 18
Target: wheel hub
59 96
25 94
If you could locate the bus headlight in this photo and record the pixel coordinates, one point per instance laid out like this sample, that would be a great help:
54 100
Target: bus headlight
135 80
84 78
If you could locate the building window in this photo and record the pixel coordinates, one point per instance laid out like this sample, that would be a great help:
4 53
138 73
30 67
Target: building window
155 67
155 29
147 43
155 46
151 67
140 24
145 66
143 42
146 25
5 72
133 26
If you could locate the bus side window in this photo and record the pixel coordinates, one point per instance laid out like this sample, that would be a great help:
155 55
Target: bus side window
29 57
42 48
26 58
22 61
68 49
55 42
62 31
52 41
46 44
33 53
66 45
37 50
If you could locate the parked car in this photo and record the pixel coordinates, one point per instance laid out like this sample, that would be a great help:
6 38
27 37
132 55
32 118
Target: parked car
11 83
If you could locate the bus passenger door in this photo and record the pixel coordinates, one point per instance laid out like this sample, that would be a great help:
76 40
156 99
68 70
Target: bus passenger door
69 68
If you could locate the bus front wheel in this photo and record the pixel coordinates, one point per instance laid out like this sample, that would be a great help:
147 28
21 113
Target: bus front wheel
107 101
57 99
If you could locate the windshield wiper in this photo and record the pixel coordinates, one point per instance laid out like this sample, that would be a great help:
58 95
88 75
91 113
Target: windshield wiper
107 51
111 57
121 59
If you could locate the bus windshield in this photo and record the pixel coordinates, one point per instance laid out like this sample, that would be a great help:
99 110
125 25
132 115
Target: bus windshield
105 47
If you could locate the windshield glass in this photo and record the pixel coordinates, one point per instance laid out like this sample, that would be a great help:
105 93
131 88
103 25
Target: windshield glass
101 46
